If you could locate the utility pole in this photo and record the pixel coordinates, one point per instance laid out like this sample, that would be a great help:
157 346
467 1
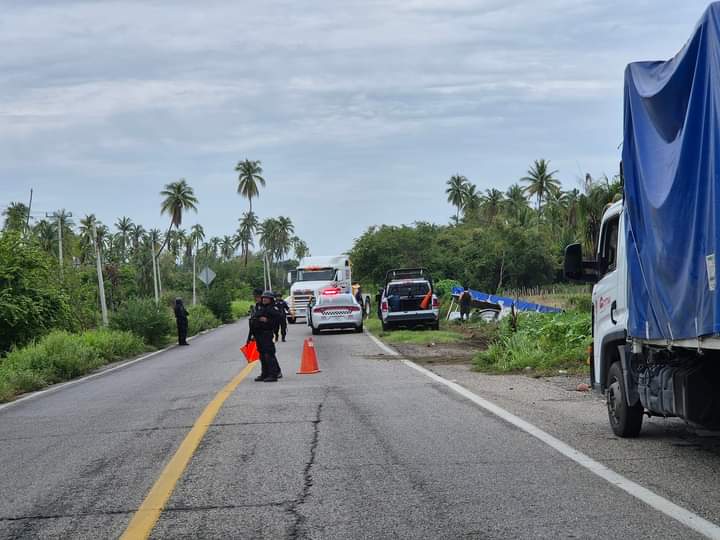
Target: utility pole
27 221
59 216
154 268
194 273
101 284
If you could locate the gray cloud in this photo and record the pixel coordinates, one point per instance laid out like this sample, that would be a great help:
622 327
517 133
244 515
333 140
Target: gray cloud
358 110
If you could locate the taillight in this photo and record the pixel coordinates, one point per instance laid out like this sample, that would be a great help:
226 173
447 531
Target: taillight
354 308
384 306
435 302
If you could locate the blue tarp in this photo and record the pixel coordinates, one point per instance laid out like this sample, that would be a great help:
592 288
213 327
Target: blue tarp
671 158
520 305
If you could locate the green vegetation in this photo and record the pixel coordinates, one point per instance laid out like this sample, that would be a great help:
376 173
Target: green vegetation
496 240
240 308
60 356
200 318
542 342
143 318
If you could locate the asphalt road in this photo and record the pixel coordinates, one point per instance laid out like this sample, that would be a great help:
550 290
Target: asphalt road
368 448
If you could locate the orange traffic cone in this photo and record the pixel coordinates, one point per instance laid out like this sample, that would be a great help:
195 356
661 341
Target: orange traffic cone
308 360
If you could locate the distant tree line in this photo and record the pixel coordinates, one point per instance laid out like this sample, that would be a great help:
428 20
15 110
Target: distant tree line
496 239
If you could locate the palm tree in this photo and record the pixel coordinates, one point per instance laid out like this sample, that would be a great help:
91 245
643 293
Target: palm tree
197 235
249 179
16 217
44 231
470 200
179 197
137 232
124 226
455 191
269 236
491 203
93 234
515 198
214 244
541 181
285 230
300 248
248 226
227 247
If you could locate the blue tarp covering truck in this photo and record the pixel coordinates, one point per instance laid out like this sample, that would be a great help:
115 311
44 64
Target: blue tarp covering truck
656 301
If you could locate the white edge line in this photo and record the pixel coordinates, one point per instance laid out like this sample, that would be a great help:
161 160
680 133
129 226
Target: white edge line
60 386
667 507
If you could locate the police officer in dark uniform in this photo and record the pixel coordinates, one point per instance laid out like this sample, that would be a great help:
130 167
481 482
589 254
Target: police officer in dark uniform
283 308
181 318
263 322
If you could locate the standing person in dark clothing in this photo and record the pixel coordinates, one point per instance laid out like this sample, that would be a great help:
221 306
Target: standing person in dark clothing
465 303
360 300
283 308
263 321
181 318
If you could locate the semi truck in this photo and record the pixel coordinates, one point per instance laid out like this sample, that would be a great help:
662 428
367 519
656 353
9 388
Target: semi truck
315 274
656 302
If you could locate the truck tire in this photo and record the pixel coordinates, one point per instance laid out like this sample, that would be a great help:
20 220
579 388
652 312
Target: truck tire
291 320
359 329
385 326
435 325
625 421
315 331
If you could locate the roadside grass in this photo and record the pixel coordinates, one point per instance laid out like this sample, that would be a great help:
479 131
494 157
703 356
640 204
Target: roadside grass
61 356
419 336
542 344
240 308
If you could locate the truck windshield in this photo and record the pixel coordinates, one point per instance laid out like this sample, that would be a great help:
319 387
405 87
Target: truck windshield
325 274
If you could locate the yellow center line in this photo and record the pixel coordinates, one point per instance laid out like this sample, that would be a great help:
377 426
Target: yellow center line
149 512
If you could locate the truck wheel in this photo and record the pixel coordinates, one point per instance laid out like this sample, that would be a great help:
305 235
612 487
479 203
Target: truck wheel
315 331
359 329
435 325
625 421
385 326
291 320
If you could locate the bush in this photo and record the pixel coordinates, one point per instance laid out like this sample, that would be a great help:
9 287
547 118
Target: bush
542 342
113 344
444 287
31 301
60 356
241 308
200 318
143 318
218 299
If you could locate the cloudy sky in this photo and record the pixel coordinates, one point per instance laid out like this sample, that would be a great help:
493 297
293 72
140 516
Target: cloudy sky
358 110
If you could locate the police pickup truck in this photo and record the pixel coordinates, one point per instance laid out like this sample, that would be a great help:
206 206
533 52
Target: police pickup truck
407 299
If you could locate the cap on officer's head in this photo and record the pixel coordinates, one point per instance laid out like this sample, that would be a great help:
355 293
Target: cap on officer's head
268 294
257 291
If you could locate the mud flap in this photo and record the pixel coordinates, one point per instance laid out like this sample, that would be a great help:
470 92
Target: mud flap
631 389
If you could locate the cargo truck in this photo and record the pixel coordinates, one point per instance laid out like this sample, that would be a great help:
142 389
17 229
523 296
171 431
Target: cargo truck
656 303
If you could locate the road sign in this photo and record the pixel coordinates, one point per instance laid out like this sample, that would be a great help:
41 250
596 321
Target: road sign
206 275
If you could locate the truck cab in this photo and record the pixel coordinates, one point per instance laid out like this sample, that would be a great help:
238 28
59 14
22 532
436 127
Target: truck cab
314 275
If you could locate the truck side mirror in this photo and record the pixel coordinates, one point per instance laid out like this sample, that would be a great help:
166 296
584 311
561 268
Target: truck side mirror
575 269
289 278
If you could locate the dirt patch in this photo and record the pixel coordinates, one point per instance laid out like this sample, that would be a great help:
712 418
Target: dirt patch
440 353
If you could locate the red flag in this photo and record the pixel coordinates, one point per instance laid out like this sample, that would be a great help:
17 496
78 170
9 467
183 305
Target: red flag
250 351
